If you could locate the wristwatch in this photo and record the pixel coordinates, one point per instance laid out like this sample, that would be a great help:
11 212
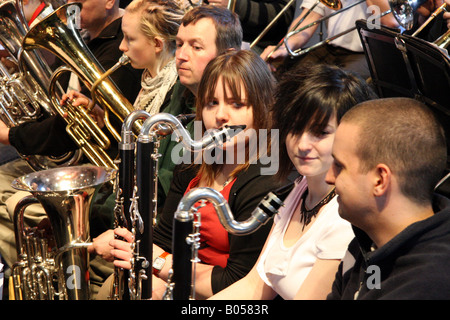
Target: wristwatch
159 262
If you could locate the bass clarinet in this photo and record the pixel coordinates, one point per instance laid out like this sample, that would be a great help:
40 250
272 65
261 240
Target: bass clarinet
186 235
138 182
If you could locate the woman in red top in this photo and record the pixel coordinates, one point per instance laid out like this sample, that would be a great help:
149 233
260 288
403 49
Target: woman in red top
236 89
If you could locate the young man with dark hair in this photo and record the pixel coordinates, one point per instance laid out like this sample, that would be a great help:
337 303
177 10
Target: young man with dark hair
389 154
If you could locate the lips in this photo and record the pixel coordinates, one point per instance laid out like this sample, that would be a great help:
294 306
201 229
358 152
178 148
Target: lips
306 158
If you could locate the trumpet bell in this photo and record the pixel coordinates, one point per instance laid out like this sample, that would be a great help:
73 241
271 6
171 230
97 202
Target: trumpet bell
403 11
335 5
66 195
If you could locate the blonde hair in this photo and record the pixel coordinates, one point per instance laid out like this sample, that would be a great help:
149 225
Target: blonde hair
159 18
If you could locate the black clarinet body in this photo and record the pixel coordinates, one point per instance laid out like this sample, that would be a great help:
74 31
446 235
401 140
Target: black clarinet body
124 194
140 180
183 226
145 182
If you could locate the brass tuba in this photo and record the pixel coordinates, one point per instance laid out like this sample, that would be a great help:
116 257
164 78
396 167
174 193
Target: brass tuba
30 63
24 94
57 34
66 195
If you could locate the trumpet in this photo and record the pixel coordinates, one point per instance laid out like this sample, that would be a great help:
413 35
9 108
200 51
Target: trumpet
30 63
17 101
444 40
335 5
402 10
186 233
442 8
24 94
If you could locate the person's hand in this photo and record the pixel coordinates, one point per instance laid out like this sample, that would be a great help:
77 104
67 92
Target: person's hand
122 251
75 98
446 15
221 3
4 133
101 245
78 99
10 66
271 56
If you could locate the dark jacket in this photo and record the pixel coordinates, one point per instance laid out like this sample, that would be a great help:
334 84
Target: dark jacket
247 191
255 15
181 102
413 265
48 136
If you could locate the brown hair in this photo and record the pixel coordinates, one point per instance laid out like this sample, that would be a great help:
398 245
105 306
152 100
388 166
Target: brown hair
228 27
236 69
405 135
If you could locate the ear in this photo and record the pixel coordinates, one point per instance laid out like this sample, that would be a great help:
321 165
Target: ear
159 44
109 4
382 179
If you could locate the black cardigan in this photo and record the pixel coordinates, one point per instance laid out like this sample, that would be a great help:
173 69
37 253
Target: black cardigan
247 191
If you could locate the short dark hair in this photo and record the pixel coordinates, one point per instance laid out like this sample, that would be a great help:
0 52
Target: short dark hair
228 26
308 96
404 134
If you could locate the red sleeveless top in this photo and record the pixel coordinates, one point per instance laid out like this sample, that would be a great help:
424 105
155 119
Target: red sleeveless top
214 245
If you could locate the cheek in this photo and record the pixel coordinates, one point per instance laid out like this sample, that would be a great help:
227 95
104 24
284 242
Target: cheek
244 117
325 148
207 119
202 61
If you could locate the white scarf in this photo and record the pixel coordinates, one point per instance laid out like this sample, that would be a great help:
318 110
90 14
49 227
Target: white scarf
154 90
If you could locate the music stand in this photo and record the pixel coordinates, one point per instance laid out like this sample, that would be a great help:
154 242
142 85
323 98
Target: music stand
406 66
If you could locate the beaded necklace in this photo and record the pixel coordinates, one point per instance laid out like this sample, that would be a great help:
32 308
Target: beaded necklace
306 215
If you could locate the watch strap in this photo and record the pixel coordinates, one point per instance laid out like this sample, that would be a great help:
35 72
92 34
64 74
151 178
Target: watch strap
161 256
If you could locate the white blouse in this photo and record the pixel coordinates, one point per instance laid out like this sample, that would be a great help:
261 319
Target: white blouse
285 268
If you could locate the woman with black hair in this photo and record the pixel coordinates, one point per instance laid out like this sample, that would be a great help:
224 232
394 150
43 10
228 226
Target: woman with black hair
308 238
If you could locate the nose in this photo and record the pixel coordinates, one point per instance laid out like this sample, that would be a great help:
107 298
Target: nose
222 114
180 53
330 177
123 47
304 141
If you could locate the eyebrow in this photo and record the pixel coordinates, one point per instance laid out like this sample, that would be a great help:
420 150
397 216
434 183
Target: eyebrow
198 39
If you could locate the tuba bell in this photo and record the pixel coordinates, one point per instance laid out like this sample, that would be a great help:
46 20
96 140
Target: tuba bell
66 195
57 33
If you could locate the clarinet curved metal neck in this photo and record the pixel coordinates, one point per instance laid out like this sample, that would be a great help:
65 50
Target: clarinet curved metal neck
265 210
159 125
127 135
213 138
223 211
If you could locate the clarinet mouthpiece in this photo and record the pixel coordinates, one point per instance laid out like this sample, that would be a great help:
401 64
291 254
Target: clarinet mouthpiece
237 127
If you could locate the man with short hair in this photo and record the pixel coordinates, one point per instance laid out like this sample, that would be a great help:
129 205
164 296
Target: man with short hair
389 155
197 44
